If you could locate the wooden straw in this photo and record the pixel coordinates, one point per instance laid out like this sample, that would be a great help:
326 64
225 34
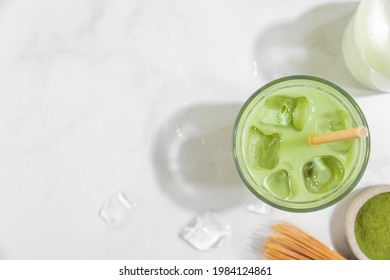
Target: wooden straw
290 243
340 135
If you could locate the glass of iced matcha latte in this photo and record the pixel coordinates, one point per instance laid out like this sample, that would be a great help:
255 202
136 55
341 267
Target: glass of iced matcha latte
274 156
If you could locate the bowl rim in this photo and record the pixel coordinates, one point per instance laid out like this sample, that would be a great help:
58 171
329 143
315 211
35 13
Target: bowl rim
353 209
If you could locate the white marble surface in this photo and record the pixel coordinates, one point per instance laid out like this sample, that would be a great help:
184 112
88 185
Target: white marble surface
99 97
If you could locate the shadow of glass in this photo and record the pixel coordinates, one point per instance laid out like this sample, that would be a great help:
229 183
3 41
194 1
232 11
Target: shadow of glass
311 45
193 158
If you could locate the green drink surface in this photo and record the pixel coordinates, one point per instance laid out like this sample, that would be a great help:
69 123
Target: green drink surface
277 154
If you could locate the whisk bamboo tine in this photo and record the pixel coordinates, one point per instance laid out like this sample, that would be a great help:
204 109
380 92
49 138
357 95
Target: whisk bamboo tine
301 251
305 242
304 238
273 245
294 232
316 250
291 243
301 248
325 251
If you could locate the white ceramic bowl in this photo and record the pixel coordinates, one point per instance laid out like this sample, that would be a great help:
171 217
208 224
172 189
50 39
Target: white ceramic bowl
353 210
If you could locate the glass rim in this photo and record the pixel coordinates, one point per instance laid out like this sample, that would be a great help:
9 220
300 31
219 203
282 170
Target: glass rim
364 157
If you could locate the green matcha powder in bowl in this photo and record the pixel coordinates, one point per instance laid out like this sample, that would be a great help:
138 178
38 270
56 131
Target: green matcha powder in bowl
368 224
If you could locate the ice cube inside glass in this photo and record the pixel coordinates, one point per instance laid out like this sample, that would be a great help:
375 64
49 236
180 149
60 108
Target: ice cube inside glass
273 156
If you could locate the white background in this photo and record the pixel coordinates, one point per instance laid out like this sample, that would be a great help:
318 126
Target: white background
100 96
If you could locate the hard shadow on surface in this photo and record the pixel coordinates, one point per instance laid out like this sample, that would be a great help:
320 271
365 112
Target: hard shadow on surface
310 45
193 158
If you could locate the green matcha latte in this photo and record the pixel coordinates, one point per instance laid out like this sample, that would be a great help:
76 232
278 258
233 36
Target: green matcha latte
273 156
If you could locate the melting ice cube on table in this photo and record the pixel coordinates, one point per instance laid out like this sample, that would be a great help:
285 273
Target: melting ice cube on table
205 232
263 149
115 209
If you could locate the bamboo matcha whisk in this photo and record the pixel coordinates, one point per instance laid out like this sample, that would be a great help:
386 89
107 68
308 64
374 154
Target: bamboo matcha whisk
290 243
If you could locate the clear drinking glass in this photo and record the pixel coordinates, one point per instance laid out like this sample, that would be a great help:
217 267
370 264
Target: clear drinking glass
273 156
366 44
